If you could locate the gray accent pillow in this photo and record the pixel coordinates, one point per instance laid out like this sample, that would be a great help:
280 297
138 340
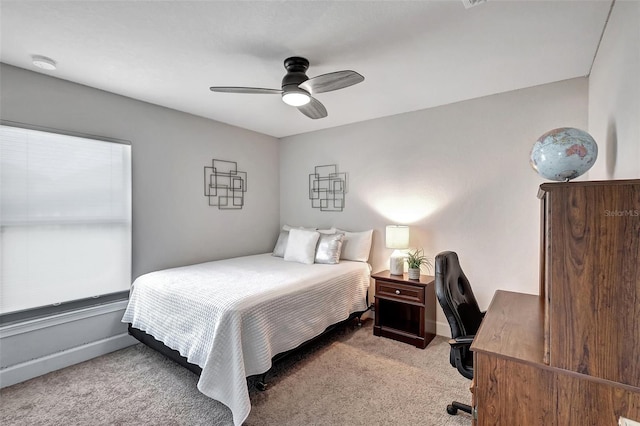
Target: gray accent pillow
281 244
329 248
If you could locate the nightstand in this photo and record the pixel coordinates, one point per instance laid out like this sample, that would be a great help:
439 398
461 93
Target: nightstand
405 309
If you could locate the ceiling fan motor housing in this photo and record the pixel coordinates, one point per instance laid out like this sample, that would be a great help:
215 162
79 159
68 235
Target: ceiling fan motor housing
296 73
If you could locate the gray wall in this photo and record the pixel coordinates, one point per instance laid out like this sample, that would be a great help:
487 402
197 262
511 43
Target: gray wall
459 175
614 96
172 222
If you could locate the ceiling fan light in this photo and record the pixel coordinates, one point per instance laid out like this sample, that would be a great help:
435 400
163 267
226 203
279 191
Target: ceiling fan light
296 98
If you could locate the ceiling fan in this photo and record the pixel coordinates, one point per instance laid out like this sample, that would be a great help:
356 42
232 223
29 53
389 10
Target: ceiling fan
297 88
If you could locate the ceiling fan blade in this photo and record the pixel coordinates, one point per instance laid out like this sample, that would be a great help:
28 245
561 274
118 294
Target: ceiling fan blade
314 109
250 90
331 81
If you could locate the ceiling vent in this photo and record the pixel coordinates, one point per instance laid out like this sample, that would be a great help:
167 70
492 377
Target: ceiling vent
470 3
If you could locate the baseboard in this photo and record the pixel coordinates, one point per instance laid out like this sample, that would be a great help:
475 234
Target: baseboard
443 329
37 367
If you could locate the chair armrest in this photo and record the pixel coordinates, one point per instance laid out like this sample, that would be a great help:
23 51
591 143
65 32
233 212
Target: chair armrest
461 341
459 349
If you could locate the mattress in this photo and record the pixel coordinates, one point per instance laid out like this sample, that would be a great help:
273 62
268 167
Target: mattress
230 317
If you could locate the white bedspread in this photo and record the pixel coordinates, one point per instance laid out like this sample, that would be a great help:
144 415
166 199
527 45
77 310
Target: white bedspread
232 316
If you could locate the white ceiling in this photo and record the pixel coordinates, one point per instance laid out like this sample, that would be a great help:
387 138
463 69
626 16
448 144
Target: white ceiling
413 54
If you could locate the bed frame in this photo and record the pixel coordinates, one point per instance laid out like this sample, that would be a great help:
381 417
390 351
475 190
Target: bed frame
262 385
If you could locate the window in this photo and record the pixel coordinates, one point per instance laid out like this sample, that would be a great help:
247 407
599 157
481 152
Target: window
65 218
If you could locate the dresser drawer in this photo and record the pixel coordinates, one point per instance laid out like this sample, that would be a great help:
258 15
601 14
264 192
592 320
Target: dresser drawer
397 291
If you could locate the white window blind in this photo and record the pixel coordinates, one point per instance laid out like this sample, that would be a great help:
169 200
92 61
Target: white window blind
65 218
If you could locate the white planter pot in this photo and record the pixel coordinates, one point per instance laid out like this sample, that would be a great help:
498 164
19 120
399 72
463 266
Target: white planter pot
414 273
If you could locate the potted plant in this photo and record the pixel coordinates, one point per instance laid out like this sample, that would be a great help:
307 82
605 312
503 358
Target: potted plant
415 260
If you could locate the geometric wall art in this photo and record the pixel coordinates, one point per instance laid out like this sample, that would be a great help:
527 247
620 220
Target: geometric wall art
225 185
327 188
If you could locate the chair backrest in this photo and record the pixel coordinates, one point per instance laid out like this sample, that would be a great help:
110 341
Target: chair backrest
455 296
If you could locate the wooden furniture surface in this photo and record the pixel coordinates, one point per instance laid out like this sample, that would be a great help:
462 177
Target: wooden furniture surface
592 277
405 309
513 325
513 385
570 356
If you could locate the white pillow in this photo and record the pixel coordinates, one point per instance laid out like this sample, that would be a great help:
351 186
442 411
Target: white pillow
281 244
301 246
356 245
329 231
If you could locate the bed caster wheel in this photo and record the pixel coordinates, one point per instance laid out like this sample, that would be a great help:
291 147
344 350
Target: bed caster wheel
452 410
262 386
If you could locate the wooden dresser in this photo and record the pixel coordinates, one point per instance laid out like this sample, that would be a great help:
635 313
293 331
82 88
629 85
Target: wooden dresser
571 355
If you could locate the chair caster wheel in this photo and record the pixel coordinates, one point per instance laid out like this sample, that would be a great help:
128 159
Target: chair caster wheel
261 386
452 410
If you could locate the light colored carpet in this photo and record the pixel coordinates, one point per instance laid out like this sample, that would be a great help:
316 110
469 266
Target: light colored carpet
347 378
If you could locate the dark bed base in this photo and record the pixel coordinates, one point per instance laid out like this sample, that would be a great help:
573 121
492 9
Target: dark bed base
165 350
174 355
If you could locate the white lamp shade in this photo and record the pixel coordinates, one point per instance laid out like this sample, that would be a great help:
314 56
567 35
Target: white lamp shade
397 237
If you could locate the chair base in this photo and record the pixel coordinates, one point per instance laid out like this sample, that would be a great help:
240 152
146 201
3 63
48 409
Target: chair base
455 406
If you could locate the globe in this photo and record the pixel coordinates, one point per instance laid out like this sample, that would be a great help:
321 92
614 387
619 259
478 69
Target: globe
563 154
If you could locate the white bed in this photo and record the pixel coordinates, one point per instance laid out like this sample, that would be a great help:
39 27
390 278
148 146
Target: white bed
231 317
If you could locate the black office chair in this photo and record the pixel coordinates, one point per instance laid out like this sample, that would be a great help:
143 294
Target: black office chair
463 314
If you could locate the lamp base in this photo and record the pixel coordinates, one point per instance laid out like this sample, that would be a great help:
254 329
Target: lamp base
396 265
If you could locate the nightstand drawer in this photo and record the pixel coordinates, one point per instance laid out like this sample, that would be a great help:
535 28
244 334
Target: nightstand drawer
399 291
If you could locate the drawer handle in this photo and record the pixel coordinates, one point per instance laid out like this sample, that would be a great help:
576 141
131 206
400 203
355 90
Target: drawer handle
397 291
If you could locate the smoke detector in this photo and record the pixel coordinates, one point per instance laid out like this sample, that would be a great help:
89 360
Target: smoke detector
470 3
43 62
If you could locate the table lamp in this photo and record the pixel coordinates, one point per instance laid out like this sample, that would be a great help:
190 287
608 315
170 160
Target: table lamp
397 237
